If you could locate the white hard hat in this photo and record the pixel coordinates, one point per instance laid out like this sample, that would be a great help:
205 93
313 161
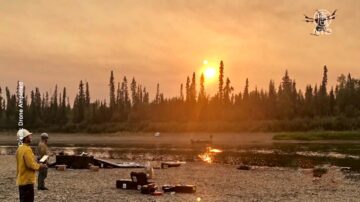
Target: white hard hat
22 133
44 135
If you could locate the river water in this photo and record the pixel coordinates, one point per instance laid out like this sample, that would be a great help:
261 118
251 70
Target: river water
303 155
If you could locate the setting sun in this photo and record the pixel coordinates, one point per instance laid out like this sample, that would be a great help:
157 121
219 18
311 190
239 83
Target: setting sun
209 73
209 70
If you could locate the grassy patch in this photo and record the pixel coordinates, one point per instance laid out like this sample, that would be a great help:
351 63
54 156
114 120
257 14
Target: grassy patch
325 135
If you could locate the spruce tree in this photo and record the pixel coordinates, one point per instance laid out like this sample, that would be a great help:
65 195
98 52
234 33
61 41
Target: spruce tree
63 107
112 90
193 89
38 114
332 101
221 81
87 95
157 97
324 81
202 95
54 106
323 104
286 100
309 101
139 94
187 88
246 90
146 96
227 91
134 97
118 95
80 103
181 92
127 103
271 102
1 105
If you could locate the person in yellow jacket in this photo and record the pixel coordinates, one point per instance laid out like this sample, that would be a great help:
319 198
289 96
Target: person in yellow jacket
26 166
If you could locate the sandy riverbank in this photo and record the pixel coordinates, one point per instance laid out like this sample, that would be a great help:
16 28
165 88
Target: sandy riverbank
215 182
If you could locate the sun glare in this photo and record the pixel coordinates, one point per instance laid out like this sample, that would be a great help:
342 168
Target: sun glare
209 73
209 70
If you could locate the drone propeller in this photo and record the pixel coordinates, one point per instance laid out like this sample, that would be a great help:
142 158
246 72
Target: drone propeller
334 12
307 17
332 16
314 34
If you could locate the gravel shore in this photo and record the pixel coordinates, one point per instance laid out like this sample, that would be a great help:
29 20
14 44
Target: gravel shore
215 182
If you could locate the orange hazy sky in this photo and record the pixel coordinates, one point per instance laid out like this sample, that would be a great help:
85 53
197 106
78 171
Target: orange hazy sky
44 43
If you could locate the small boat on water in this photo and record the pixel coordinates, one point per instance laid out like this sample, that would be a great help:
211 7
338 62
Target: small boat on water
202 142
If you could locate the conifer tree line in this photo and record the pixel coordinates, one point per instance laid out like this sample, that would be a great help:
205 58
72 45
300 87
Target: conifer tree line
129 103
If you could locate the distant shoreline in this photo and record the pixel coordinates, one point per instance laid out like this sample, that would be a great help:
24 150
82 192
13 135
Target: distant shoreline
261 126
